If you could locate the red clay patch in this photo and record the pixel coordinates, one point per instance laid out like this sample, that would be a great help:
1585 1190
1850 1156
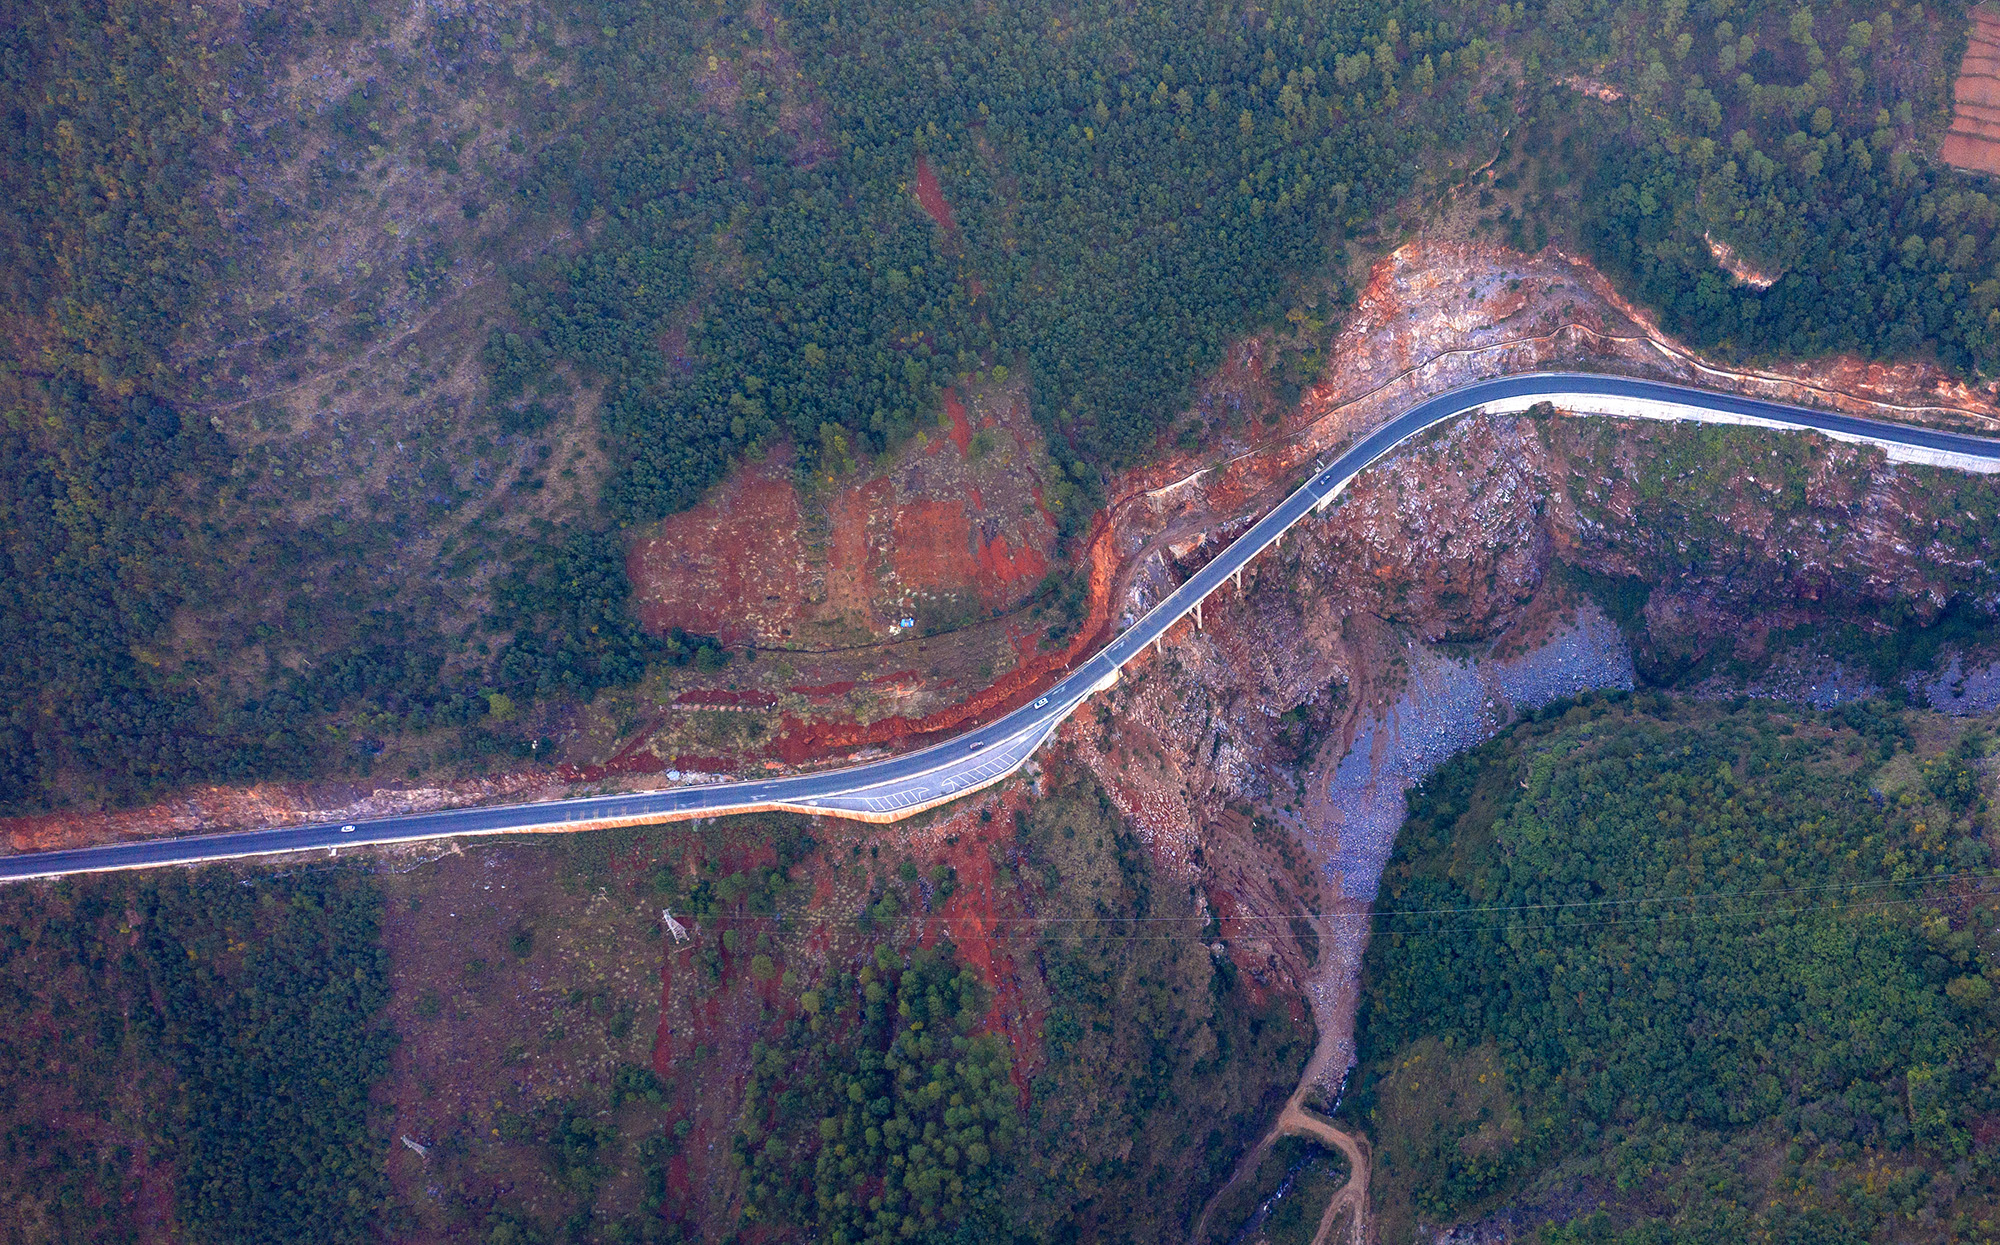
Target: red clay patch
737 566
802 741
935 541
961 430
1011 567
858 516
932 197
727 567
752 567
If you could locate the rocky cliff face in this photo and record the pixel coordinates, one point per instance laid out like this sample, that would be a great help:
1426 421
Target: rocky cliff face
1733 534
1741 535
1475 576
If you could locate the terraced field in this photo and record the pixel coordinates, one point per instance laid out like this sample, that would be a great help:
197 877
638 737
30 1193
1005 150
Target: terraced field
1974 140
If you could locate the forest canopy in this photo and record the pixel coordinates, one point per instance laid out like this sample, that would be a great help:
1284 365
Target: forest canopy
1645 924
234 1023
1122 193
1799 136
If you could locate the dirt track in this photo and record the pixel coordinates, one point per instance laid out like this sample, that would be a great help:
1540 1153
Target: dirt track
1296 1121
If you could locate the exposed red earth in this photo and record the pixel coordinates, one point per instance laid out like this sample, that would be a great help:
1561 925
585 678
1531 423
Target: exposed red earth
754 564
932 197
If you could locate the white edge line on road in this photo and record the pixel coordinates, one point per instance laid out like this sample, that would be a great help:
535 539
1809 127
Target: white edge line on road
1676 412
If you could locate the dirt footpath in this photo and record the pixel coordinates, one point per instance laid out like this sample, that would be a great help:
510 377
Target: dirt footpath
1296 1121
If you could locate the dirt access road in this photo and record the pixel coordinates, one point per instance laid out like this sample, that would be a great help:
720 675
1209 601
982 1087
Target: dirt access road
1297 1121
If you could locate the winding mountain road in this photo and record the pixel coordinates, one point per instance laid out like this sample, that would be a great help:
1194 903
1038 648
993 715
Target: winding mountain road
899 786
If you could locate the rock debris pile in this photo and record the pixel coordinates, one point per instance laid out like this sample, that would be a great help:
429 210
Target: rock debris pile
1958 691
1447 706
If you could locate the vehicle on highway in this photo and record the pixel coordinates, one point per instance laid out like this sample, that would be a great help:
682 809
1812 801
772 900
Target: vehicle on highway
347 829
1042 703
977 745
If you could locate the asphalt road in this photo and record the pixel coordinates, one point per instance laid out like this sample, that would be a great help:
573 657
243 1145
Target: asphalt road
883 790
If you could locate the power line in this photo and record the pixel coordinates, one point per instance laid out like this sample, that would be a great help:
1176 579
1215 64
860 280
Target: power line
1003 929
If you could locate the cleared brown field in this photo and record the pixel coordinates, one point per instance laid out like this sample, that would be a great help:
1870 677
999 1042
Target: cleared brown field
1974 139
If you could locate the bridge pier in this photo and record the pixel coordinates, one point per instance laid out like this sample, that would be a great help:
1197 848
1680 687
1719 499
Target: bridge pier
1237 575
1197 616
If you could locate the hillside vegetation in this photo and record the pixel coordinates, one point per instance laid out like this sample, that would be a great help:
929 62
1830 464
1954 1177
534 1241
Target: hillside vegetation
709 239
1800 136
1122 193
1648 970
192 1050
887 1106
836 1052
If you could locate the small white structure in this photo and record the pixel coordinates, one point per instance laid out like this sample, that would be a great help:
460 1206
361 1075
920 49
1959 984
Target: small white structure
674 927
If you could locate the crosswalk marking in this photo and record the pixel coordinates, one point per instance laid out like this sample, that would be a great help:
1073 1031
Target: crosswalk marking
963 780
896 800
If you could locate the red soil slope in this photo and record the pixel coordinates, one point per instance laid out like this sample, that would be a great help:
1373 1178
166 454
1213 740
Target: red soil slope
946 521
932 197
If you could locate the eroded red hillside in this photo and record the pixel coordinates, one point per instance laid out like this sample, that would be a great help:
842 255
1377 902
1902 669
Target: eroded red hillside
949 530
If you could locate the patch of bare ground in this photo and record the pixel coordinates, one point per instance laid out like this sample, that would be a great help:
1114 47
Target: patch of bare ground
359 197
370 211
521 987
949 529
1745 272
1973 142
